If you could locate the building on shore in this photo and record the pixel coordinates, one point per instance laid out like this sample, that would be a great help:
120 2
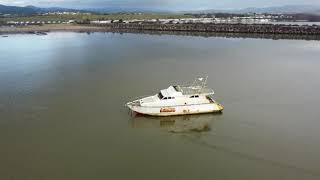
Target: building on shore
189 20
36 22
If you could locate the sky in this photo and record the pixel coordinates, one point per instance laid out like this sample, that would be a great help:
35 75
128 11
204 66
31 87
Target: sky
160 4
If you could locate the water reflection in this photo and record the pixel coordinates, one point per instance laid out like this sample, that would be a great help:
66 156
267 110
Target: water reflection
176 124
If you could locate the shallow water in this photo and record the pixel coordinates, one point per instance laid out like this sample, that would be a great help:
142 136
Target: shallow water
62 113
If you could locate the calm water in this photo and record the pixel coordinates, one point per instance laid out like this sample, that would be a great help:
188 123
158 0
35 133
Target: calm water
62 113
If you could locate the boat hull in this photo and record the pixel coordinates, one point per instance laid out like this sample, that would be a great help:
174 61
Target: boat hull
177 110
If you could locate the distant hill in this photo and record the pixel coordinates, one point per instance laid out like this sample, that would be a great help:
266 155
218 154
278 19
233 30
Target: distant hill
29 10
126 10
317 12
289 9
18 10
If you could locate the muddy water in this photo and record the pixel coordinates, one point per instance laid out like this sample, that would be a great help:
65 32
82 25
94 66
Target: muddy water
62 113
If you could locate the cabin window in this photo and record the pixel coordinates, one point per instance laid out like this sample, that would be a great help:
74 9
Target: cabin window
195 96
165 98
176 88
160 96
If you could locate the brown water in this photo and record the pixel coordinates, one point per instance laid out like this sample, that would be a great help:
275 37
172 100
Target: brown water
62 113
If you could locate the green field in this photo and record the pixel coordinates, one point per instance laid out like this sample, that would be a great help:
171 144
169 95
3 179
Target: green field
2 21
83 17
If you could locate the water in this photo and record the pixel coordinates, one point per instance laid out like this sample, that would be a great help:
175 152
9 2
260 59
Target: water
62 113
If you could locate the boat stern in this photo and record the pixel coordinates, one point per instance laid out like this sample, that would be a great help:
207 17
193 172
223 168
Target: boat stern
220 107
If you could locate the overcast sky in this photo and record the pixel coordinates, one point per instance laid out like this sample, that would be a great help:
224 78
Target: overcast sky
161 4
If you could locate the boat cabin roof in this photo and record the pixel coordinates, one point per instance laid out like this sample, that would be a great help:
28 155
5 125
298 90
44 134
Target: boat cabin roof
170 92
174 91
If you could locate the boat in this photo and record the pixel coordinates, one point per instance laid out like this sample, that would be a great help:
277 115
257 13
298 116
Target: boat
196 98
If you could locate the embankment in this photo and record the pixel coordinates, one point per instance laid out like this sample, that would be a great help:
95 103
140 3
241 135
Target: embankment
218 28
205 30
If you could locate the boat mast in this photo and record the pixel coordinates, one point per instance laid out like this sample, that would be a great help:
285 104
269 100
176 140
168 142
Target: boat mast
203 85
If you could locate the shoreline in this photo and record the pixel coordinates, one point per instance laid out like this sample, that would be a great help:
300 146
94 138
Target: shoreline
223 35
34 29
218 28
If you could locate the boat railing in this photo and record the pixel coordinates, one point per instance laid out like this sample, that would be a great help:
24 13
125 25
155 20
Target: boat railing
199 86
192 90
210 98
135 101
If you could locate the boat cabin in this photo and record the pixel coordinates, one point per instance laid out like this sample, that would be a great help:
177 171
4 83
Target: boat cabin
178 95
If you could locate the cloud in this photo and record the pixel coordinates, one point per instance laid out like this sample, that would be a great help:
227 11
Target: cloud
14 2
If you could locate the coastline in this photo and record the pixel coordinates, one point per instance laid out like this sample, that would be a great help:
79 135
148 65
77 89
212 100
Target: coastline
34 29
49 28
218 28
223 35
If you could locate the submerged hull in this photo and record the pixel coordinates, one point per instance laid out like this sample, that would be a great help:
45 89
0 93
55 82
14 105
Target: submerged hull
177 110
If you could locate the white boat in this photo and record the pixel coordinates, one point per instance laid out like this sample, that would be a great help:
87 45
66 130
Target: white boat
178 100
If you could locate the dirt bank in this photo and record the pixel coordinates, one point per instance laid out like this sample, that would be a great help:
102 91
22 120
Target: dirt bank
49 28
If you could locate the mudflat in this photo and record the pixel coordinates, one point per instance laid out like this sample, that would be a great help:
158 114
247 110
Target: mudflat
48 28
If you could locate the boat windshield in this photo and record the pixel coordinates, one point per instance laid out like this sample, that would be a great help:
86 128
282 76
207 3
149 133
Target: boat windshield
160 96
